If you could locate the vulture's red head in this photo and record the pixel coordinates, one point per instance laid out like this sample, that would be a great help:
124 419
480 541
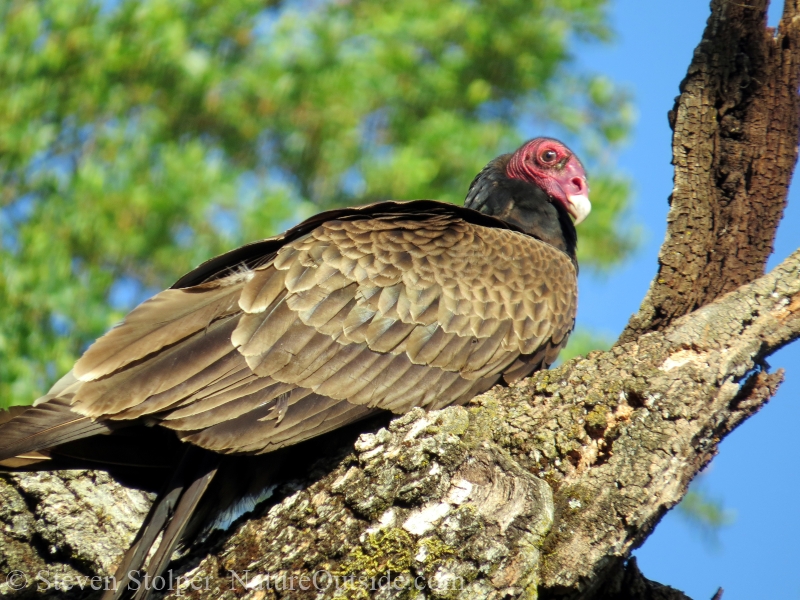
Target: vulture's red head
551 166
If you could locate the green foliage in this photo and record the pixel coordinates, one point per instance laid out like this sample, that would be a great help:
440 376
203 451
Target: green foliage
582 341
139 137
706 514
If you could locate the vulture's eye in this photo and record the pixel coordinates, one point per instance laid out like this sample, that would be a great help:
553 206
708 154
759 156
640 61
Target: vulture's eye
549 156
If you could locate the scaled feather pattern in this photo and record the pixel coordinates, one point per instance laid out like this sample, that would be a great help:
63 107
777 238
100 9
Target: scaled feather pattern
356 315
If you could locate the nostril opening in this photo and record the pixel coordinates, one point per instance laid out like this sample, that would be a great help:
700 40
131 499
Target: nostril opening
578 183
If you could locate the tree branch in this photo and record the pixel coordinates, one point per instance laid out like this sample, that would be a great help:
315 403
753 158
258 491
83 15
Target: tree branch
734 149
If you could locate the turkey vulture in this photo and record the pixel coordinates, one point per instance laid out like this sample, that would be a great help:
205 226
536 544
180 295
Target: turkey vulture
353 312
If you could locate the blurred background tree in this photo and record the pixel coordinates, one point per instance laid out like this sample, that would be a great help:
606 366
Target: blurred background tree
140 137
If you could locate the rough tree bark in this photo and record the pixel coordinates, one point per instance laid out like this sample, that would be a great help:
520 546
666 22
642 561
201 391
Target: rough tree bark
734 148
542 488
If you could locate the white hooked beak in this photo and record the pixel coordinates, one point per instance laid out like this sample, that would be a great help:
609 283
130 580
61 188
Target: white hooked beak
579 207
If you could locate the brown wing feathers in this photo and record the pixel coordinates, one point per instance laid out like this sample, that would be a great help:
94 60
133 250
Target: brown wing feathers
387 313
161 321
49 424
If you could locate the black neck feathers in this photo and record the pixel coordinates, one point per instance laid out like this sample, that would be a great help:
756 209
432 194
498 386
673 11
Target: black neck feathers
522 204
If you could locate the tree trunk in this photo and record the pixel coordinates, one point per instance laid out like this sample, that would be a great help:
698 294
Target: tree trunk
542 488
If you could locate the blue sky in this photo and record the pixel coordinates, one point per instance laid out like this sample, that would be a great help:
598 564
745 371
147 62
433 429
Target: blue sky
755 473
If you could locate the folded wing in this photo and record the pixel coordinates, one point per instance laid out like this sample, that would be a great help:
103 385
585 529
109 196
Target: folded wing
382 312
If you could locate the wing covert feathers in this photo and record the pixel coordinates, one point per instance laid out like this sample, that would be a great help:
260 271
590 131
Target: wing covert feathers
353 316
